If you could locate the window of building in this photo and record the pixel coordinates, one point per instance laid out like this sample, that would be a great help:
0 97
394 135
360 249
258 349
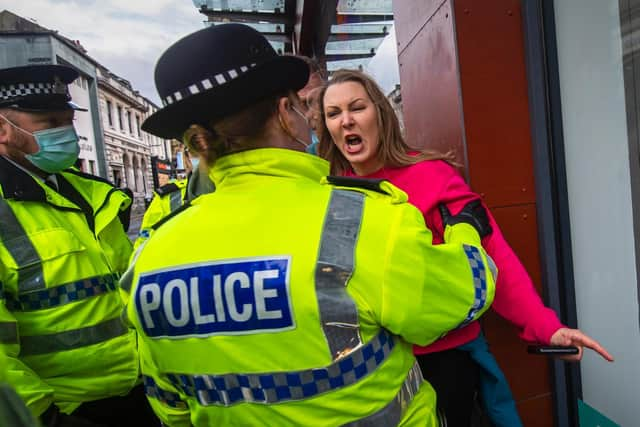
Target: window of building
117 177
120 117
129 122
138 124
110 113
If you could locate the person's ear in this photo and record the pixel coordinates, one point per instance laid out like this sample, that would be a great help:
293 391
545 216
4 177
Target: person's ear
284 114
5 131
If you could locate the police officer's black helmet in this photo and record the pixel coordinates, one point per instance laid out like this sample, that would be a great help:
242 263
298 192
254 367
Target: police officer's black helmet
37 88
218 71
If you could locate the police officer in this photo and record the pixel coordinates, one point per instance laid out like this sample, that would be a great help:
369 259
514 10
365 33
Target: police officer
300 296
172 196
62 249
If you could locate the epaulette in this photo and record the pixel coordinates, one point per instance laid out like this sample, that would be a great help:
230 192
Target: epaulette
169 188
182 208
88 176
381 186
372 184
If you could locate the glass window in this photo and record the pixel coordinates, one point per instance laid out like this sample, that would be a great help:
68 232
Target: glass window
138 124
110 113
129 122
599 72
120 117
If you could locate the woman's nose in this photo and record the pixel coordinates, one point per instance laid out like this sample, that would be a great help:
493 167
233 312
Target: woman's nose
347 119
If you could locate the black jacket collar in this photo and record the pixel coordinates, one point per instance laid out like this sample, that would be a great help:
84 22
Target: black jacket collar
18 184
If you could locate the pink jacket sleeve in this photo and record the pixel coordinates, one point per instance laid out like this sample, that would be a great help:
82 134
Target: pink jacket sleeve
516 298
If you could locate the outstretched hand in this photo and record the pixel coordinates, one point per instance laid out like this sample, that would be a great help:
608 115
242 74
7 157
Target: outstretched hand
575 337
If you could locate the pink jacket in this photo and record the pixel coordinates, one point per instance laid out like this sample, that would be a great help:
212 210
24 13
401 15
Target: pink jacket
431 182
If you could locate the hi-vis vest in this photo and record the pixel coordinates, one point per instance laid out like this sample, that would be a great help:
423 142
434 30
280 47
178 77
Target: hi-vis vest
60 308
166 200
295 303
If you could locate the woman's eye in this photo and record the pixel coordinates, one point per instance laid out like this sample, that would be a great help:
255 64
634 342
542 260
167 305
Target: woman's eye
332 114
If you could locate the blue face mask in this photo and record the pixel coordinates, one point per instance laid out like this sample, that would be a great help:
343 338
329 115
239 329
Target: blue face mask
313 147
59 148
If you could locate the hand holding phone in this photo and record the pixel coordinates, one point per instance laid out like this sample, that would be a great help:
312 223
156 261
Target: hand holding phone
552 350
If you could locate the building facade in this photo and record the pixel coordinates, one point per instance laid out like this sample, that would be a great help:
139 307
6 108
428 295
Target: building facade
128 149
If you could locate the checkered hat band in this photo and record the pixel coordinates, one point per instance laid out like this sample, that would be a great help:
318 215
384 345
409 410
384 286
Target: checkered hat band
23 89
206 84
268 388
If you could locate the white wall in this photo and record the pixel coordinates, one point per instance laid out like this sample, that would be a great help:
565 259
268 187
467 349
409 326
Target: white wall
597 157
84 122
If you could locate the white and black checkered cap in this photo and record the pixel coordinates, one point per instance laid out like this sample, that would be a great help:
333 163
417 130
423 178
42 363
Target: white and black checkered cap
37 88
218 71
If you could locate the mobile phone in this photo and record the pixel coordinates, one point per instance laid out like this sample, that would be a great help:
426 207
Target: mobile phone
552 350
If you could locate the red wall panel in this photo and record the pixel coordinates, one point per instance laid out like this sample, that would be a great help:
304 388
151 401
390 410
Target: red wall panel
494 95
415 13
430 86
464 87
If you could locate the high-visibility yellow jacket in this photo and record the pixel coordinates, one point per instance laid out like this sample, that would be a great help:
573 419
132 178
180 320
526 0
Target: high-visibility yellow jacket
60 311
169 198
13 411
296 303
166 199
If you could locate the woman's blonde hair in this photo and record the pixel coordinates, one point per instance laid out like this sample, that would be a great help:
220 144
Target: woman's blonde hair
393 151
237 132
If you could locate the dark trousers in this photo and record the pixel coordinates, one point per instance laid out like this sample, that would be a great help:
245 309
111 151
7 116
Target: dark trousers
132 410
455 378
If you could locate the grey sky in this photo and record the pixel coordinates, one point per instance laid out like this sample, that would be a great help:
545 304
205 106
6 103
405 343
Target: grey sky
128 36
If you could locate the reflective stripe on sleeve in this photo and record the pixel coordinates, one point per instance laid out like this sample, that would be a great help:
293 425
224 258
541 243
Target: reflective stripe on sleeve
169 398
479 282
8 333
338 312
64 294
230 389
69 340
15 239
175 200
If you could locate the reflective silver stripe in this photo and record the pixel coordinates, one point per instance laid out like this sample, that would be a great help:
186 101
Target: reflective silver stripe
8 333
175 200
268 388
338 312
69 340
15 239
391 415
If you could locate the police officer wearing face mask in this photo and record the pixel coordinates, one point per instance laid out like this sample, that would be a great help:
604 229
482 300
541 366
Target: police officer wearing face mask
62 248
